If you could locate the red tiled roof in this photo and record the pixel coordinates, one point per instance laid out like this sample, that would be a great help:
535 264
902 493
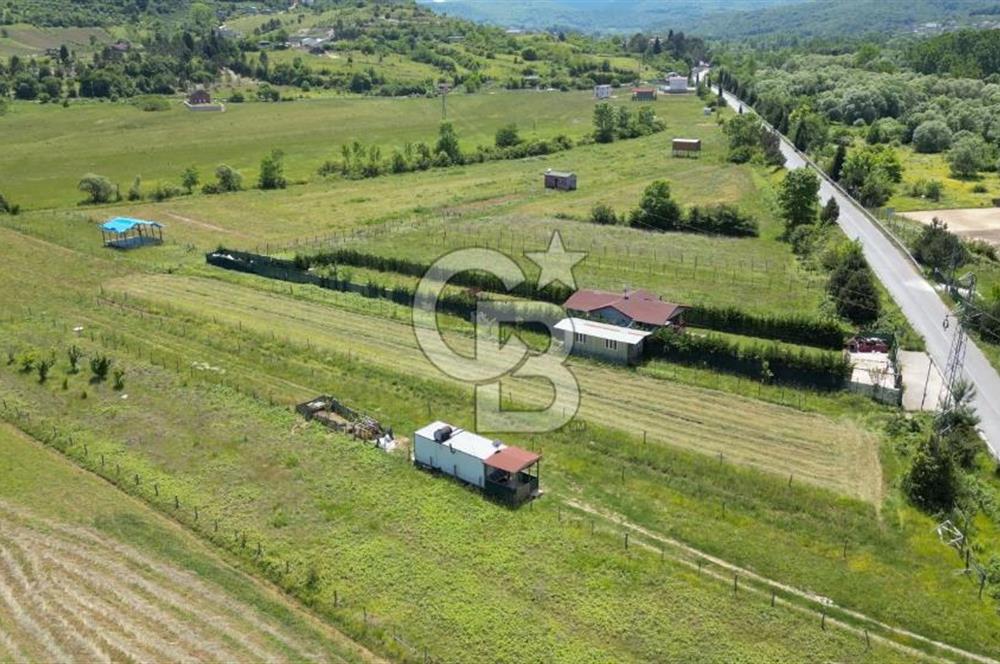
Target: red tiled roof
639 305
512 459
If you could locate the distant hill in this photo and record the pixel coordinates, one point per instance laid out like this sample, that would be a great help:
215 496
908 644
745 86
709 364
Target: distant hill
592 15
838 18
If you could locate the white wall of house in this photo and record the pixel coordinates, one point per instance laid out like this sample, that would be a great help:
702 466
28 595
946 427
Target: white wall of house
449 460
603 349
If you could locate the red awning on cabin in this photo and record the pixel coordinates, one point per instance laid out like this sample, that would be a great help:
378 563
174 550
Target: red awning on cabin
512 459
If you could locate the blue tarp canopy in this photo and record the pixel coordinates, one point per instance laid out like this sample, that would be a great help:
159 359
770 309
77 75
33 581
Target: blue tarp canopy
125 224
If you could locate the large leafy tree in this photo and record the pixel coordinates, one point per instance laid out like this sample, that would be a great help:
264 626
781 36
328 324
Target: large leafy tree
797 197
447 143
98 188
272 171
604 123
657 210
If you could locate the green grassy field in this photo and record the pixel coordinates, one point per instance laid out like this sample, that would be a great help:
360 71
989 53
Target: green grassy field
59 521
51 147
956 193
803 495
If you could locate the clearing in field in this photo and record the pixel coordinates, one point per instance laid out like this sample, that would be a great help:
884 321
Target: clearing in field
973 223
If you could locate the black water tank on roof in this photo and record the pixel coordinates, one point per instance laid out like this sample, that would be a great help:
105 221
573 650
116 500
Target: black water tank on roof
442 434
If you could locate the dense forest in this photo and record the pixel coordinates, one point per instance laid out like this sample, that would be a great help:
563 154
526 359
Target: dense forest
112 12
845 19
847 109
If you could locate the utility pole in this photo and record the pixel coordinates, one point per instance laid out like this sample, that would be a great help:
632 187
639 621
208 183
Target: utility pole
959 342
444 101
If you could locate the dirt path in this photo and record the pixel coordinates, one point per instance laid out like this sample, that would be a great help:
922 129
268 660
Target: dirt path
204 225
806 602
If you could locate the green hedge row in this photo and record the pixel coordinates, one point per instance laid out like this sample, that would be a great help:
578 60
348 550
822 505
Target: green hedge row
818 332
763 362
821 333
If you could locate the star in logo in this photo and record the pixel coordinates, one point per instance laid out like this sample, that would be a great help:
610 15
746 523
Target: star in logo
557 264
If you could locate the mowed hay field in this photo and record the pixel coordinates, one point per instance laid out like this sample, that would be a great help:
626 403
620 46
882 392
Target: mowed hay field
89 574
835 455
363 534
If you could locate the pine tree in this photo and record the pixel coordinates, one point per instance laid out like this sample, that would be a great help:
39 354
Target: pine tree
837 167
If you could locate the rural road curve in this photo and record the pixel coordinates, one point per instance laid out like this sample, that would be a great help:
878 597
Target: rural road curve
920 303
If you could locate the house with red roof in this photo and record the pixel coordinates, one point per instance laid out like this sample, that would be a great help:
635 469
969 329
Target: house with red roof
614 326
639 309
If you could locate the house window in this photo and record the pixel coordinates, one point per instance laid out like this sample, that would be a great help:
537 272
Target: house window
611 344
578 338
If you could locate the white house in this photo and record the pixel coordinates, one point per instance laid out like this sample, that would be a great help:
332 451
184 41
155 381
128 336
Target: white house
501 471
602 340
677 84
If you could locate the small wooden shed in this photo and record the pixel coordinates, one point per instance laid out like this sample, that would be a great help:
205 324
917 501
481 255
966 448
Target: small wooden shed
686 147
563 180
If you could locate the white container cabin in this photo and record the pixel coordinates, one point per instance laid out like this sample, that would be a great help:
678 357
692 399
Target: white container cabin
502 471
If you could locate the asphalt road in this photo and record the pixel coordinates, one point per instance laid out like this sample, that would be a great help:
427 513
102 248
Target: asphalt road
919 301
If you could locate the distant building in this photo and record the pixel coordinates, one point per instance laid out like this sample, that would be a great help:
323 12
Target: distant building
503 472
602 91
200 99
686 147
121 46
639 309
603 341
643 94
224 32
563 180
677 84
200 96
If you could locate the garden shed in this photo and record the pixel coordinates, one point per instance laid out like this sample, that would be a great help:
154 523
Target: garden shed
686 147
504 472
128 233
563 180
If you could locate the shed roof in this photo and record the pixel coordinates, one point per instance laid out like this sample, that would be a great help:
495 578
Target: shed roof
639 305
464 441
560 174
625 335
125 224
643 89
512 459
687 141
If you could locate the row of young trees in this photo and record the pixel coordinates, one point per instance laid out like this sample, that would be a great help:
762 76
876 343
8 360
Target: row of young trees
359 161
100 189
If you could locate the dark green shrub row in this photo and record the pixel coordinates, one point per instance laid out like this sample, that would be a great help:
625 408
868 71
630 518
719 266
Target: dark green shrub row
555 293
763 362
821 333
